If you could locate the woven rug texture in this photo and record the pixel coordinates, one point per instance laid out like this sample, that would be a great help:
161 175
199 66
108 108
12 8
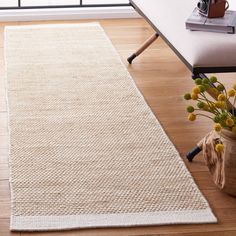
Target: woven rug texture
85 148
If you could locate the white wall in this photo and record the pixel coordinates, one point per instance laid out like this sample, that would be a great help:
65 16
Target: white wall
68 14
64 13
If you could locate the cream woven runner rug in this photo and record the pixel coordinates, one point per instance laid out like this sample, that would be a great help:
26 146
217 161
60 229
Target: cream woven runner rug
85 149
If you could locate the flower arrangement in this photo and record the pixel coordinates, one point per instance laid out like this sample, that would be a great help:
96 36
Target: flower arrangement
221 110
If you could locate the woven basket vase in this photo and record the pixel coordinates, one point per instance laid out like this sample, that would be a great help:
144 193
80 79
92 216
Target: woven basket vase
222 165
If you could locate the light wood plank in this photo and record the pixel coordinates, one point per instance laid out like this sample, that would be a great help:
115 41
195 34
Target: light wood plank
4 229
4 141
3 159
4 172
3 123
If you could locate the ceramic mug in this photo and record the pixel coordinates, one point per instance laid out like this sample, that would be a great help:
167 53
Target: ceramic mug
217 8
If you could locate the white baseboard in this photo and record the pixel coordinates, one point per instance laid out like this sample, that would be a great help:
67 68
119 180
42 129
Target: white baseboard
67 13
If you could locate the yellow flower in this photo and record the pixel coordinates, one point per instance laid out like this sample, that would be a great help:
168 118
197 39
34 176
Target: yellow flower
213 79
187 96
217 127
201 88
234 129
196 90
220 87
192 117
221 97
223 116
219 147
198 81
223 105
206 107
212 105
229 122
231 93
194 96
200 105
213 91
190 109
220 105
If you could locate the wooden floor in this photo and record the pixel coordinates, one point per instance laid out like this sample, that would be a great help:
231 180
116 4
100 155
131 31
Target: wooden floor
162 78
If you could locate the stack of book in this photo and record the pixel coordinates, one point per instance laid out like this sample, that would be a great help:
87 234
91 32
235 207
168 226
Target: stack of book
224 24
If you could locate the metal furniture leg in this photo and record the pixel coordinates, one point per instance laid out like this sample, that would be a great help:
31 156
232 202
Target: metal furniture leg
143 47
190 155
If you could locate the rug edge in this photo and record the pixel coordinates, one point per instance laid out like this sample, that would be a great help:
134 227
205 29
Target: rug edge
139 93
68 222
62 224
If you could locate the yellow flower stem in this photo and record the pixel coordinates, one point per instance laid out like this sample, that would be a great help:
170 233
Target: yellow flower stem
220 137
234 104
227 109
215 109
208 102
199 114
200 99
222 85
227 101
226 95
